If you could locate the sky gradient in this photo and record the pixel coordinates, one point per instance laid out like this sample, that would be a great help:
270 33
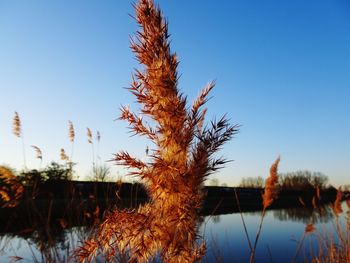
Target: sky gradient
281 67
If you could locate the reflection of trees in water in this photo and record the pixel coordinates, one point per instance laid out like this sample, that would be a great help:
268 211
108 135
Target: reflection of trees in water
4 242
320 214
216 219
53 243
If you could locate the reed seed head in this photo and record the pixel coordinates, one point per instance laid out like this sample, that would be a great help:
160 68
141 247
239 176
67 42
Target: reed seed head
63 155
71 132
89 135
271 185
16 125
182 159
38 152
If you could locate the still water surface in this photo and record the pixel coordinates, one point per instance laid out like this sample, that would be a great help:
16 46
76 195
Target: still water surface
226 240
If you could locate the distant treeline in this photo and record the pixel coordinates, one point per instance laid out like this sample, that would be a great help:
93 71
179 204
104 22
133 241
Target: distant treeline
298 181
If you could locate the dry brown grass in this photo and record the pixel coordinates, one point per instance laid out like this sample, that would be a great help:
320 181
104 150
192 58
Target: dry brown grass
335 248
11 189
337 209
178 165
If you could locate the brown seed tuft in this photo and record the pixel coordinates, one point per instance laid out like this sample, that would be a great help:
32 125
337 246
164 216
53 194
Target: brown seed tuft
71 132
16 125
63 155
271 185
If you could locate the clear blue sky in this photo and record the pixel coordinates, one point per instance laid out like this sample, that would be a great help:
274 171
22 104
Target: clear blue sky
282 71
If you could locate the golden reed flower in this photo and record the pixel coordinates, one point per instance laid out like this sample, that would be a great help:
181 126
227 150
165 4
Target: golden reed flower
271 185
181 161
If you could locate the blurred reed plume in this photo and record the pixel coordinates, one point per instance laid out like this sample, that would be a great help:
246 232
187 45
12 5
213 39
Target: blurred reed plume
98 136
269 195
11 189
63 155
17 131
38 152
71 136
71 132
16 125
181 161
89 135
98 139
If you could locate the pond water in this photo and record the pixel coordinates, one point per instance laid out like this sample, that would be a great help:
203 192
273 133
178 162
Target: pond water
282 237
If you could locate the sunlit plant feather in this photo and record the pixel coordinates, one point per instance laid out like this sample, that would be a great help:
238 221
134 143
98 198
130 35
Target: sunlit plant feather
178 165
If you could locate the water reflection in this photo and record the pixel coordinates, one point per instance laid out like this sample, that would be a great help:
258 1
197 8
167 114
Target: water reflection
304 214
56 241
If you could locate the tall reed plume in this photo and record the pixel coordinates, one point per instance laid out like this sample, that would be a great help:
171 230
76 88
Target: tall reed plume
90 141
71 136
63 155
178 165
269 195
38 152
17 131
